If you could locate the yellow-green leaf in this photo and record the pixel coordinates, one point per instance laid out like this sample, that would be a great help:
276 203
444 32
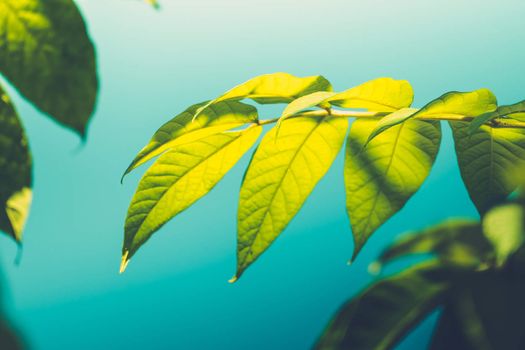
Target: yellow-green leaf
453 103
183 129
178 179
47 55
273 88
15 171
504 226
304 102
516 110
381 95
383 176
488 159
279 179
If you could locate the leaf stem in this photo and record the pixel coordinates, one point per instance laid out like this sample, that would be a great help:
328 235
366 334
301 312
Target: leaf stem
495 123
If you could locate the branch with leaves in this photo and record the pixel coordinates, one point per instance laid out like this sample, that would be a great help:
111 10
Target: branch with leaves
390 150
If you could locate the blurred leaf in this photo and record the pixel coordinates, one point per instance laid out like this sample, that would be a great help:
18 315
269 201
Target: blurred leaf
385 312
273 88
15 171
178 179
458 242
381 178
47 55
279 179
488 159
182 129
453 103
501 111
381 95
504 226
154 3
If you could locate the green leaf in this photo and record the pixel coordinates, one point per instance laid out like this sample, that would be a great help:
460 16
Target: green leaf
459 242
305 102
385 312
15 171
47 55
381 178
178 179
501 111
381 95
273 88
183 129
504 226
487 160
453 103
282 174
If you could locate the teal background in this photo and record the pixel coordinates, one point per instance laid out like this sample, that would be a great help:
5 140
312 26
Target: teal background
66 292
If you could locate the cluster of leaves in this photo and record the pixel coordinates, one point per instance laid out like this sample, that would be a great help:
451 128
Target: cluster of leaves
390 150
48 57
475 275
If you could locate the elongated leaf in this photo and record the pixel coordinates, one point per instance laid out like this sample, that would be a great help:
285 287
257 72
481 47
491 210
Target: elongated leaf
305 102
15 171
381 178
183 129
384 313
281 175
382 95
47 55
504 226
501 111
178 179
458 242
273 88
453 103
487 160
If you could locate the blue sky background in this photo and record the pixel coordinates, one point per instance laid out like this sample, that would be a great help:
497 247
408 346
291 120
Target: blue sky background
67 294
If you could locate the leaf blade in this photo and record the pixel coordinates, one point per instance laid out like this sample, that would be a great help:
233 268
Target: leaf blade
178 179
501 111
381 178
287 167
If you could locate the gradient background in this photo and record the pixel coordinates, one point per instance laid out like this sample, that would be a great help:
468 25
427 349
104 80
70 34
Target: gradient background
67 294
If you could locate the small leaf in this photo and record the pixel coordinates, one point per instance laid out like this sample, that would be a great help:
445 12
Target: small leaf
385 312
15 171
504 226
178 179
487 160
381 178
273 88
453 103
381 95
458 242
282 174
47 55
305 102
501 111
182 129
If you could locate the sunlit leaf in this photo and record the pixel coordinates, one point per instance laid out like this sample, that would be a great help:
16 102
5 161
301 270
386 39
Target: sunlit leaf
15 171
183 129
504 226
459 242
382 95
381 178
502 111
178 179
385 312
454 103
273 88
47 55
280 177
305 102
487 160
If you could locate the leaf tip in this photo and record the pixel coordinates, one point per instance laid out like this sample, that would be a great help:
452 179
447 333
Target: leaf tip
233 279
125 261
